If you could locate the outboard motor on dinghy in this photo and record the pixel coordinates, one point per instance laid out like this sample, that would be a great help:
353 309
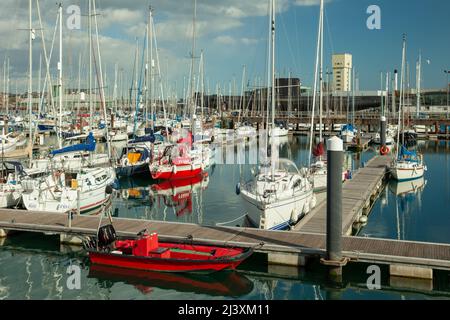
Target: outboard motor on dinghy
106 235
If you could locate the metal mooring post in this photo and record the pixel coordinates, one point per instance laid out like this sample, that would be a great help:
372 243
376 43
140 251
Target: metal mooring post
335 159
383 131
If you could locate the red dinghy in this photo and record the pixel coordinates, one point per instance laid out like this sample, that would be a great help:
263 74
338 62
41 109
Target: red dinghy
147 253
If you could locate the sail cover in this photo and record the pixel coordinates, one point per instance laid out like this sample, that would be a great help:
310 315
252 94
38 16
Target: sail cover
406 154
152 138
348 127
147 138
88 145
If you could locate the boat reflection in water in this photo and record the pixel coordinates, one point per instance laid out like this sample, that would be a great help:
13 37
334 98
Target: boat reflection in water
408 188
156 199
226 283
408 199
177 194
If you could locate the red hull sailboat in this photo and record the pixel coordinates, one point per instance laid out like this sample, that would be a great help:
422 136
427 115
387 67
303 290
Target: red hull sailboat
176 162
173 171
147 253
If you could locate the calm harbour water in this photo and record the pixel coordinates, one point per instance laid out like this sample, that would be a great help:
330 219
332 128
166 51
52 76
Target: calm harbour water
34 266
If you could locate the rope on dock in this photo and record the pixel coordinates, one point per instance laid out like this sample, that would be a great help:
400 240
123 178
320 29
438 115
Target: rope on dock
228 222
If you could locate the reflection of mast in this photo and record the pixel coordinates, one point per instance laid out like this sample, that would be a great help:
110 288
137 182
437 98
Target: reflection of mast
398 219
28 281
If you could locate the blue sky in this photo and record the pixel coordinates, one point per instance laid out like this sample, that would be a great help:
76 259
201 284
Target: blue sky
426 24
233 33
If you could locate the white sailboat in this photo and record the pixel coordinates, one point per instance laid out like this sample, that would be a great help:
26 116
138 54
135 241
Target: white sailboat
118 135
407 165
63 191
348 133
73 157
279 195
12 174
278 132
8 143
389 138
82 155
10 190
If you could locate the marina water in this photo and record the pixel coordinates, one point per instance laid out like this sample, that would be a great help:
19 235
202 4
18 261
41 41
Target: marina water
34 266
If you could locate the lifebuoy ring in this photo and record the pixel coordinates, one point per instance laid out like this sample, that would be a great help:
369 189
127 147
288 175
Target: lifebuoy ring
384 150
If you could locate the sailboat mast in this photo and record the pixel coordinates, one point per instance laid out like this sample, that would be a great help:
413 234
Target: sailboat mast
386 108
158 66
151 67
202 85
273 64
193 100
102 90
382 94
116 71
242 98
4 80
136 68
40 79
147 70
269 53
79 86
7 87
321 73
60 76
353 97
403 89
319 35
273 89
400 108
30 78
419 83
289 94
91 109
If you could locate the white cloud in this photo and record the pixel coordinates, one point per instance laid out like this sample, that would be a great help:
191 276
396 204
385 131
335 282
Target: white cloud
121 21
228 40
225 40
249 41
308 3
122 16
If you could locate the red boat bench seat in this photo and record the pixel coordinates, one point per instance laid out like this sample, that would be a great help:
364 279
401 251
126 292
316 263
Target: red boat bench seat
163 253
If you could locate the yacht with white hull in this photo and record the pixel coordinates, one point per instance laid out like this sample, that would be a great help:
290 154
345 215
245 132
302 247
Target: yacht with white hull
65 191
274 202
408 165
279 195
73 157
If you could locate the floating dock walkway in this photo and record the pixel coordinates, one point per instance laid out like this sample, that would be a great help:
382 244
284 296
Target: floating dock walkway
358 196
415 259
